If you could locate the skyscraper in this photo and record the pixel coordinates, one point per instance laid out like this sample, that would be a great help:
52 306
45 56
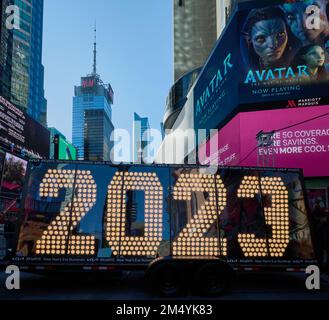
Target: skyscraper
140 138
22 39
92 117
195 33
21 53
37 105
6 43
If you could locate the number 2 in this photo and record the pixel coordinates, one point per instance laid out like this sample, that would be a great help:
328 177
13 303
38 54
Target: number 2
191 241
58 234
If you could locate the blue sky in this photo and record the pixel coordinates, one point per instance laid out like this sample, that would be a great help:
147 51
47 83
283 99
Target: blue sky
134 55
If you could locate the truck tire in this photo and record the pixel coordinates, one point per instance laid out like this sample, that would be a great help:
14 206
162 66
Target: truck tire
212 279
166 279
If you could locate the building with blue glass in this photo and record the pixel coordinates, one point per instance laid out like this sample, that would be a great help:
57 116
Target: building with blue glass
92 117
6 46
27 71
37 104
141 138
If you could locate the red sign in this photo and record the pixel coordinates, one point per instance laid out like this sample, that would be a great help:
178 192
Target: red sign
88 82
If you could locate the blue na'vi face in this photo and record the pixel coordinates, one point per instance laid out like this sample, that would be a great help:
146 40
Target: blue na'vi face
297 19
269 39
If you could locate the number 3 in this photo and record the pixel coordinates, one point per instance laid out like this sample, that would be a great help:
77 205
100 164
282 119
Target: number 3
277 216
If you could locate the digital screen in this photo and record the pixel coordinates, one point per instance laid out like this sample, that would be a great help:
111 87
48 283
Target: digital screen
269 56
295 66
13 174
101 213
66 151
301 140
20 132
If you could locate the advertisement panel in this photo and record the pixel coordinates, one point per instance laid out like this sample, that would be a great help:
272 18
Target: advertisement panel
283 50
13 174
82 213
301 140
216 89
280 53
20 133
63 149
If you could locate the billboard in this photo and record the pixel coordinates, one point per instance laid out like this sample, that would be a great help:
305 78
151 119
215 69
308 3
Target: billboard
13 174
63 149
278 59
20 133
301 140
216 86
87 213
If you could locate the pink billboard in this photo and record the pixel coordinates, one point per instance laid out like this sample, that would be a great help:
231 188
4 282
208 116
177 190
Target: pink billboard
301 140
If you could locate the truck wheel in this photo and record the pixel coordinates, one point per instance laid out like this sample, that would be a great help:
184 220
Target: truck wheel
212 279
166 279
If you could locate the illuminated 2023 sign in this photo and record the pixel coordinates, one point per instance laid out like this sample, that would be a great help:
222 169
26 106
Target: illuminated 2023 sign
58 238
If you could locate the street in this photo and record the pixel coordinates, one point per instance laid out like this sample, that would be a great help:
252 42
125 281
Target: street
131 286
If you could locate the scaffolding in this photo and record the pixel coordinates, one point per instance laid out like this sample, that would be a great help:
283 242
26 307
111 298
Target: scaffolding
265 150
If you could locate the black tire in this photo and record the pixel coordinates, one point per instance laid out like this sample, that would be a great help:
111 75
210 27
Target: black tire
212 279
166 279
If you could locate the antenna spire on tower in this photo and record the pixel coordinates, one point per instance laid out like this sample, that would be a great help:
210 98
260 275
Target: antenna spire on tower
95 51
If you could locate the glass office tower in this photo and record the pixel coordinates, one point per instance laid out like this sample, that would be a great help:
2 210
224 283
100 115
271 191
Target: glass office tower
37 105
22 39
27 74
6 43
141 137
92 119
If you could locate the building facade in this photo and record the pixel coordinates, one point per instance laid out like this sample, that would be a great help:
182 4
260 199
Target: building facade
6 46
92 119
195 32
197 26
22 72
140 138
60 147
37 104
20 79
